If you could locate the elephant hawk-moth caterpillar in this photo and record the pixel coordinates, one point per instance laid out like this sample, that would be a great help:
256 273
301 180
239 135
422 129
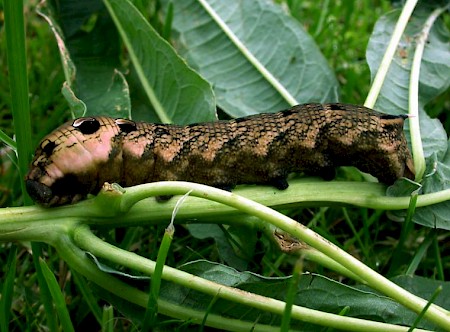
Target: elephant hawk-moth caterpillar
80 156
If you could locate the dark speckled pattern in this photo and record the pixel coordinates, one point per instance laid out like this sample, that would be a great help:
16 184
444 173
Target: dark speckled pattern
78 157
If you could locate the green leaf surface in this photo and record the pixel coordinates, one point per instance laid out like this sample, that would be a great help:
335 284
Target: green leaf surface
244 241
434 80
258 58
434 75
436 216
333 296
175 92
425 288
90 49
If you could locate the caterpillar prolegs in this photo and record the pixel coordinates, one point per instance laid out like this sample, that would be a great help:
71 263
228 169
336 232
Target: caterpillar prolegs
78 157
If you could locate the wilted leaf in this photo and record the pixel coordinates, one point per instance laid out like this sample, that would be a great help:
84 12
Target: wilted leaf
175 92
90 49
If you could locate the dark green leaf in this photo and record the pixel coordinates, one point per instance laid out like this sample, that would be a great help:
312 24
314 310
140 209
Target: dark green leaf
313 291
235 246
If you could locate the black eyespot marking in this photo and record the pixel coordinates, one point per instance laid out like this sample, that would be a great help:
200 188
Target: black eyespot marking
126 126
86 125
48 147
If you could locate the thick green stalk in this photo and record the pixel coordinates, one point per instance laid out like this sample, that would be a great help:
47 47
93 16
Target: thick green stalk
86 240
300 193
373 279
416 140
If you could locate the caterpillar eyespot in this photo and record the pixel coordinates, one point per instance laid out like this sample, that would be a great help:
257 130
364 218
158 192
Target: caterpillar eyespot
126 126
86 125
78 157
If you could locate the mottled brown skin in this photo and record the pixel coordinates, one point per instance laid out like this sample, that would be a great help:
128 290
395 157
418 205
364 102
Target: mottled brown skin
78 157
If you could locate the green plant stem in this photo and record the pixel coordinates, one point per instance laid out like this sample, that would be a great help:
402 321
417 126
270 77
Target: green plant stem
78 261
300 193
320 258
57 235
308 253
378 81
430 301
37 227
285 223
416 139
86 240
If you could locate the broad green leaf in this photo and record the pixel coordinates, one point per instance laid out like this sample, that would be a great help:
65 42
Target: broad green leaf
90 49
425 287
176 93
434 79
257 57
314 292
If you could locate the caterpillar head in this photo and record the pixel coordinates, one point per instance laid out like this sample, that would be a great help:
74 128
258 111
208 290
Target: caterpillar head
74 160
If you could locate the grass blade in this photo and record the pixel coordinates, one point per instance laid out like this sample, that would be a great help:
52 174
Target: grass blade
18 81
155 285
7 290
88 296
58 298
290 296
108 319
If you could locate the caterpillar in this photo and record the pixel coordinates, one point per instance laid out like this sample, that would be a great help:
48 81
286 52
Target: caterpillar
77 158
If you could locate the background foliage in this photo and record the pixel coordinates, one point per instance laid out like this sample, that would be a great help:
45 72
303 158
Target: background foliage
105 74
